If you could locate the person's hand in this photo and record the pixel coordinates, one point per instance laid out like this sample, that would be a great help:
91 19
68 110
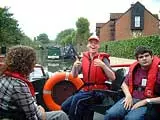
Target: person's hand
41 108
43 112
128 102
98 62
77 63
139 104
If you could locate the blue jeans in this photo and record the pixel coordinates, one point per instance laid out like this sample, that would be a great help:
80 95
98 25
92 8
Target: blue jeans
118 112
56 115
78 105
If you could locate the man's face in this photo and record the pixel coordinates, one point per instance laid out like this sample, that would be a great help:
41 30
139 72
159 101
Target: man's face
145 59
93 46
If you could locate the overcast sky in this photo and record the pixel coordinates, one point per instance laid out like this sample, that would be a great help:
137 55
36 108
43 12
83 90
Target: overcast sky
53 16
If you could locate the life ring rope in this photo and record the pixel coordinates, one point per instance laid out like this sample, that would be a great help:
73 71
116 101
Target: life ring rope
47 92
67 75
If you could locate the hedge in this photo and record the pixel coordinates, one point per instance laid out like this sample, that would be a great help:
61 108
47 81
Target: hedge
125 48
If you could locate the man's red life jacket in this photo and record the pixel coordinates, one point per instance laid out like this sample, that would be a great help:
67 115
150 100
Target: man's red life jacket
151 78
93 74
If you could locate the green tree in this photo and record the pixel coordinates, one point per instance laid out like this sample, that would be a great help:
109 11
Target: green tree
82 33
43 38
66 37
27 41
76 37
10 33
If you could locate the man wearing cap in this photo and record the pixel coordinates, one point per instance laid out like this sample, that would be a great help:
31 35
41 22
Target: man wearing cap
96 70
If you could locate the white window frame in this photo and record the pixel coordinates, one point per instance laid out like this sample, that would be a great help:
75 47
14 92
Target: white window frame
137 21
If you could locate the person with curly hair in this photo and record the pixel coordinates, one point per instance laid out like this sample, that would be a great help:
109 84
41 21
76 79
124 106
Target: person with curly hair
17 96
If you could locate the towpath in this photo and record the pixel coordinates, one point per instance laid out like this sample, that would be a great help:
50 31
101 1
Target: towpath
115 61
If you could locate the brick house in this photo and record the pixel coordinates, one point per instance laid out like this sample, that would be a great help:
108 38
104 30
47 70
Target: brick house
136 21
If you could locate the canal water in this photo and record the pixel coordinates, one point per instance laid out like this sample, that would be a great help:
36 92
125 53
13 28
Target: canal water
52 65
57 65
63 64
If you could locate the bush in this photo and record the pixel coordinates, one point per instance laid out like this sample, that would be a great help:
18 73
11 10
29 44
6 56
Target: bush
125 48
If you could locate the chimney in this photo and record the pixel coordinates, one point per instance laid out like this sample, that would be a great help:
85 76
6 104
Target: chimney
132 4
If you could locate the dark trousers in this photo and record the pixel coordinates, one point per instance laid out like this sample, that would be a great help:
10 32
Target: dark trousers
78 105
153 112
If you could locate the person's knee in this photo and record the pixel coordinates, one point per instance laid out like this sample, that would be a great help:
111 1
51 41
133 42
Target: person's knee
58 115
133 117
109 115
63 115
65 108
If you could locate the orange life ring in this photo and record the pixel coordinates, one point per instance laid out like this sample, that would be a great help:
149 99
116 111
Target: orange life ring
51 82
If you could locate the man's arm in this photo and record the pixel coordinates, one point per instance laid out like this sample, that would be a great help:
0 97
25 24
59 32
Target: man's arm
153 100
76 68
106 68
125 89
109 72
143 102
128 102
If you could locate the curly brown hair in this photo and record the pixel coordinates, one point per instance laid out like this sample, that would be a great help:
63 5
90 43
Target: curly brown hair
20 59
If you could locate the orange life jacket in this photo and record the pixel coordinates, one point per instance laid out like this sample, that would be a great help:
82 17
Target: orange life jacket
93 74
151 78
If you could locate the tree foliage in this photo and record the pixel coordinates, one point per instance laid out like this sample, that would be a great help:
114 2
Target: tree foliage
43 38
66 37
82 34
82 25
76 37
10 33
26 41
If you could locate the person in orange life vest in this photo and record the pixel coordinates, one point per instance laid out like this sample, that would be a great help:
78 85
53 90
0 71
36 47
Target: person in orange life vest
139 87
17 96
96 70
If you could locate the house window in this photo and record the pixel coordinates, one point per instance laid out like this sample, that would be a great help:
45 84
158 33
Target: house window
137 21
